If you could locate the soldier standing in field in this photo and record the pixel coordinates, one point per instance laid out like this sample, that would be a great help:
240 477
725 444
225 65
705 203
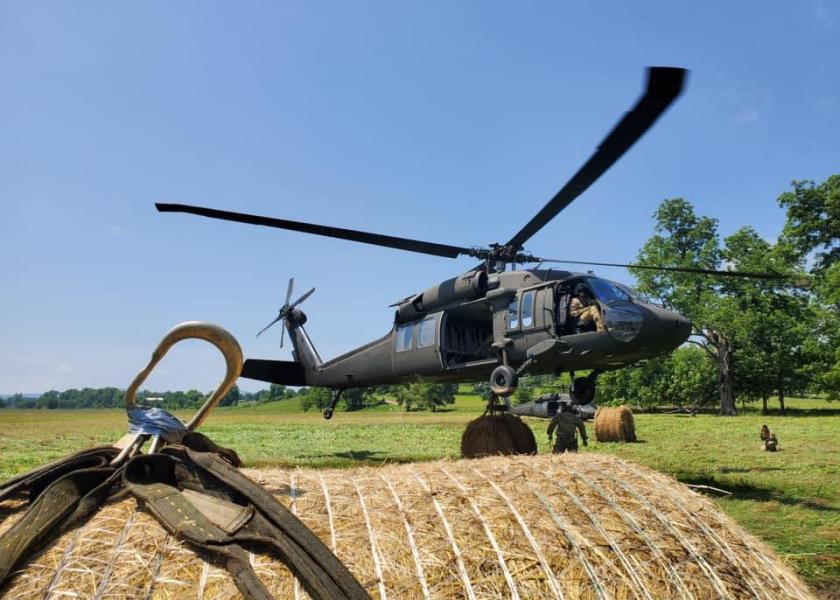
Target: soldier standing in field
566 425
584 308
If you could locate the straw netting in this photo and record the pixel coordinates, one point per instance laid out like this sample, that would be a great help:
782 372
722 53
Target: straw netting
614 424
551 526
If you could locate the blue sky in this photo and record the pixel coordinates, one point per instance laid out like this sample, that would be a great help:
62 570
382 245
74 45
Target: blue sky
447 121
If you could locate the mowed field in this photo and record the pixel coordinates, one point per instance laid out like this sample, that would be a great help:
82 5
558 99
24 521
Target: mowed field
791 499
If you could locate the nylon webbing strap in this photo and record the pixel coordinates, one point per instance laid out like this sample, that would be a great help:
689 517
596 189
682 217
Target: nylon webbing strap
50 510
38 479
197 493
160 480
283 524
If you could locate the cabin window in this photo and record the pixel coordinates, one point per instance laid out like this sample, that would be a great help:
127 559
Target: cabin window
513 314
426 332
403 337
528 309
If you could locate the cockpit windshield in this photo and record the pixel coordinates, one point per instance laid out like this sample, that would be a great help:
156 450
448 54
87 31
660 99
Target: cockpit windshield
635 295
607 291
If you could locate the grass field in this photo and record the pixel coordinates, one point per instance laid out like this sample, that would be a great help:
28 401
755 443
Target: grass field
791 499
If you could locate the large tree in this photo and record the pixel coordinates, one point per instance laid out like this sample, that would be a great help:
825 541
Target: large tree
771 320
682 239
761 324
813 230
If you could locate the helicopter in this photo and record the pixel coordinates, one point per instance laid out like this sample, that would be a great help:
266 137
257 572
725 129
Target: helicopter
492 322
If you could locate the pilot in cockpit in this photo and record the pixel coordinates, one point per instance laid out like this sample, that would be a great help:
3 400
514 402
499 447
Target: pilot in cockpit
584 308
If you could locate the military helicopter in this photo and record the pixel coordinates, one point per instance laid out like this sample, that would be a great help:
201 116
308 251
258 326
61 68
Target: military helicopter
491 322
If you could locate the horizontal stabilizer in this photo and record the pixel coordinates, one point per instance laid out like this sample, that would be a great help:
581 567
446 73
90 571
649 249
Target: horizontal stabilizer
283 372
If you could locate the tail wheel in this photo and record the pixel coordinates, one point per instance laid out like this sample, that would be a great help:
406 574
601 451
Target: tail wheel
503 381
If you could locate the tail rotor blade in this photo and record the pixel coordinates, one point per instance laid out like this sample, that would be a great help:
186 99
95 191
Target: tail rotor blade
289 290
283 337
279 316
302 298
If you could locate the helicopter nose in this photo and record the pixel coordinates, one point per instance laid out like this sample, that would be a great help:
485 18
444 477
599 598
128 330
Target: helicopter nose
683 327
665 329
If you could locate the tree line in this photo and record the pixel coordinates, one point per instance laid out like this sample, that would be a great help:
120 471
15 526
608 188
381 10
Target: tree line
111 397
412 396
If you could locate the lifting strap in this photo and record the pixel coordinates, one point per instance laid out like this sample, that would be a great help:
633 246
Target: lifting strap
33 482
196 492
192 494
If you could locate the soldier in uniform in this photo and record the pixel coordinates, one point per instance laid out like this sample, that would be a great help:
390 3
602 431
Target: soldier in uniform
769 439
566 423
584 308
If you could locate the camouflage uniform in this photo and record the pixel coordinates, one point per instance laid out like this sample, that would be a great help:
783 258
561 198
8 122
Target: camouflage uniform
585 312
769 439
567 425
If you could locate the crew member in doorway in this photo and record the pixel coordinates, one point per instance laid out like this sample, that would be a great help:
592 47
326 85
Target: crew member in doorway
566 424
584 308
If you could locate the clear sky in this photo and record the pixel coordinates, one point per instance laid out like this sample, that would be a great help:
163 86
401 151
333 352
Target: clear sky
448 121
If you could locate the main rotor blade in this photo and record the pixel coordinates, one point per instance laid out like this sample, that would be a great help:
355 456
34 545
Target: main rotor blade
302 298
664 84
747 274
353 235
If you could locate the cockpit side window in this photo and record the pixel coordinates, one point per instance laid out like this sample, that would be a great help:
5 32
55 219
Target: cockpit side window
513 314
528 309
606 291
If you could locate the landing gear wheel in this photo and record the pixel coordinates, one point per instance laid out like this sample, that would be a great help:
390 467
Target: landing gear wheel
503 381
583 390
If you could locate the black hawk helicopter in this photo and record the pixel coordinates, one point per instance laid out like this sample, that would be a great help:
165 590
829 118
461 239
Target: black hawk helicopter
492 322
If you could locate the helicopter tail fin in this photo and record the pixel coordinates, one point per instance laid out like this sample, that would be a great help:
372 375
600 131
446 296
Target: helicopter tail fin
283 372
288 372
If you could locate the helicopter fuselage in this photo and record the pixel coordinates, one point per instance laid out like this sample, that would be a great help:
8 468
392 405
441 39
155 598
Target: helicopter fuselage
463 328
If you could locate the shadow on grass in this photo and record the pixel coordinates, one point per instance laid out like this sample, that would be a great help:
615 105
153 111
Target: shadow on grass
800 412
741 490
749 469
750 411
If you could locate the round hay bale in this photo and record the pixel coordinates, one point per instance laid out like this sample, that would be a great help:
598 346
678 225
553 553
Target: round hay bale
490 435
550 526
614 424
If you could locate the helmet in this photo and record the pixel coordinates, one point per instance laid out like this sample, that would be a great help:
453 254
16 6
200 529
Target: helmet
580 289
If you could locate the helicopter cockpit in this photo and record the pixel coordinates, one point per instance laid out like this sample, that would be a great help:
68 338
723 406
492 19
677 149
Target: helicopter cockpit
613 301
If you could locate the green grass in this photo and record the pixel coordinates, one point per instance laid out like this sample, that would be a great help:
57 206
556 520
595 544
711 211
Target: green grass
791 499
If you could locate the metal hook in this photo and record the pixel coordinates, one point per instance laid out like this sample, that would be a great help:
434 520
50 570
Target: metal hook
210 332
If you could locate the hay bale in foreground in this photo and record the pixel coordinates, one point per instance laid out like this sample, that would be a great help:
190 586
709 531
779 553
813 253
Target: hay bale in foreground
614 424
490 435
551 526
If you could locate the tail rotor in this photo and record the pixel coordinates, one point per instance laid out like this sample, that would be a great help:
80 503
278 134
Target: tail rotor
287 309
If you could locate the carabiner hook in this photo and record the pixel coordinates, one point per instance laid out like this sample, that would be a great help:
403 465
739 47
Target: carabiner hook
210 332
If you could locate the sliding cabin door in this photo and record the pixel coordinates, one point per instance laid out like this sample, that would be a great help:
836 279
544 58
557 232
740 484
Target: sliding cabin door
417 348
